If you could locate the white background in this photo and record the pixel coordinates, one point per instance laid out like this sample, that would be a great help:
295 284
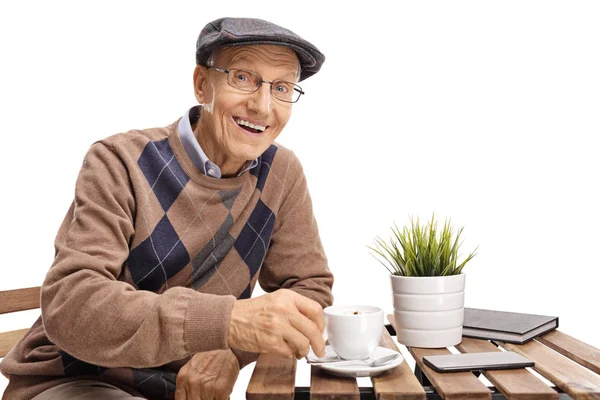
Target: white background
484 112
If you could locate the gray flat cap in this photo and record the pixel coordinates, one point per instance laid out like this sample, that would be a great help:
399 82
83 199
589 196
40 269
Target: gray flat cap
251 31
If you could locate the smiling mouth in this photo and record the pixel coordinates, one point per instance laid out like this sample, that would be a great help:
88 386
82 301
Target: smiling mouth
250 127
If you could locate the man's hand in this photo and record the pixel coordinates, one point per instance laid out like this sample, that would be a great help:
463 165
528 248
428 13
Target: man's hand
283 322
209 375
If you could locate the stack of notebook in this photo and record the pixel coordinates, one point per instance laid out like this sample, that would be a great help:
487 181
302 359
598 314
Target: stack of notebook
508 327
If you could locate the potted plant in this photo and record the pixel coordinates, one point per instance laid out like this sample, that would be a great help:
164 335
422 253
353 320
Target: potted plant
427 282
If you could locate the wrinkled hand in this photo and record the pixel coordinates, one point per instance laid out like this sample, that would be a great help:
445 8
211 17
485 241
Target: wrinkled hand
209 375
283 322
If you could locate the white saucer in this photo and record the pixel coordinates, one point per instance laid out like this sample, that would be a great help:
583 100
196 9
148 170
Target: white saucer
360 369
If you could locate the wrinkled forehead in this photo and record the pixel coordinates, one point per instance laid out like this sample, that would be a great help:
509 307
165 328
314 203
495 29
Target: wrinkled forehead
260 59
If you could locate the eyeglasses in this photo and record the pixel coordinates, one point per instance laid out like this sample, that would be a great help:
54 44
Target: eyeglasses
251 82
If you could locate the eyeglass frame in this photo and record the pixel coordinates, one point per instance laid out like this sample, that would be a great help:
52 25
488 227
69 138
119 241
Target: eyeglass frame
226 71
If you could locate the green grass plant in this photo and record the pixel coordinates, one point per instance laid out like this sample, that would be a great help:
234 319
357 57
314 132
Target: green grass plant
421 250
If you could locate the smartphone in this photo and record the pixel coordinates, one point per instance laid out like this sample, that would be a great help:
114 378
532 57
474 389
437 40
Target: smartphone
477 361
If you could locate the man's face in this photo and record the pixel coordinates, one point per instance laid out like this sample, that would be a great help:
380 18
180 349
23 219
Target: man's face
226 111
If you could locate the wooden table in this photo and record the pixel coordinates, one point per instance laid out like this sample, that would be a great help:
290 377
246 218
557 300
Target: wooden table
571 365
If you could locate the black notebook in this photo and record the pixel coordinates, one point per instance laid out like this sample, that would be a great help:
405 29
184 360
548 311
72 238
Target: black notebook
509 327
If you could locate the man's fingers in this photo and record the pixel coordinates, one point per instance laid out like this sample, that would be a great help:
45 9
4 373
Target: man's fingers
297 342
194 388
284 349
208 376
222 391
309 329
310 309
180 393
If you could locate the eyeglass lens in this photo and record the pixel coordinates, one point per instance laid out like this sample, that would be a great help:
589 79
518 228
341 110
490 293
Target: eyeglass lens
250 82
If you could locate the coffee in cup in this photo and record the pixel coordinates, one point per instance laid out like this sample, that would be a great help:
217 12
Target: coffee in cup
354 332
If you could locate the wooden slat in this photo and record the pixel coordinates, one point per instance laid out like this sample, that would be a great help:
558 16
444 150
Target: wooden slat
19 299
569 376
398 383
9 339
324 386
576 350
450 385
454 385
515 384
274 377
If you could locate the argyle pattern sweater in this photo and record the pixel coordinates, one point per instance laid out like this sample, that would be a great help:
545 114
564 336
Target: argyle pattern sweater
150 258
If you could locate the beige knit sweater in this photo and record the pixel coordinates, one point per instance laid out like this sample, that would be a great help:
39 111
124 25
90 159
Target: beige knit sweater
150 258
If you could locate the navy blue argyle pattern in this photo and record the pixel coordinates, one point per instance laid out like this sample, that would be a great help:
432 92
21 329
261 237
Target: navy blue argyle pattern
163 172
155 383
253 241
74 367
162 254
158 258
247 292
264 166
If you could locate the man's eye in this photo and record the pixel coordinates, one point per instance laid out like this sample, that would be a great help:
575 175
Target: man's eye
282 88
242 77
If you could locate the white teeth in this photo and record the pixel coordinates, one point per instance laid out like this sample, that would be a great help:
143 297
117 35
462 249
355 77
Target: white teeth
253 126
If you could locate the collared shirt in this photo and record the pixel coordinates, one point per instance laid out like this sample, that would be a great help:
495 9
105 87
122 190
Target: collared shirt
194 150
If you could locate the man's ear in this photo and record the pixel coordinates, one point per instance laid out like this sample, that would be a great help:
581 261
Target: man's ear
200 76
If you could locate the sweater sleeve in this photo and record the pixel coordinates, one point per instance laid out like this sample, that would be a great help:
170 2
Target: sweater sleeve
296 259
96 318
244 357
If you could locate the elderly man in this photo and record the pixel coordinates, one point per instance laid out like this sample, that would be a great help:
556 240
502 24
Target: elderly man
170 228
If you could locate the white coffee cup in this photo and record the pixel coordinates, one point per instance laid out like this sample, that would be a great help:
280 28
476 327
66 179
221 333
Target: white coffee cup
354 332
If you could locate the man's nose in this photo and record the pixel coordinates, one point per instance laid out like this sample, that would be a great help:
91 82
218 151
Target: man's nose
260 101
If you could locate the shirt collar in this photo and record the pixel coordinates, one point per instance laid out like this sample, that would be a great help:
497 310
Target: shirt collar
194 150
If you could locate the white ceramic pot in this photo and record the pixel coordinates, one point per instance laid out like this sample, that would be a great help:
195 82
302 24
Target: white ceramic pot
429 310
